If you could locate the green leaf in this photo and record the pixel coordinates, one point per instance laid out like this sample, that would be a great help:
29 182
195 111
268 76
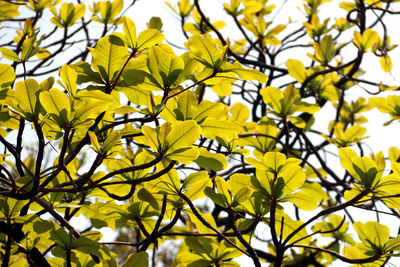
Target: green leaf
42 226
61 237
86 74
11 207
155 23
145 195
199 245
208 160
365 170
217 198
137 259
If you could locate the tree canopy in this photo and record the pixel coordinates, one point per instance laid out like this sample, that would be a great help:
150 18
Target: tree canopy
246 140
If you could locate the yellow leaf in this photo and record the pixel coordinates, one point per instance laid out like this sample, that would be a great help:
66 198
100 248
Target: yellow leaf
207 109
56 102
394 154
109 56
27 94
7 75
240 112
206 51
346 159
9 54
386 63
222 188
94 141
242 195
111 140
195 184
237 181
372 234
246 73
297 121
148 38
365 171
272 96
211 128
184 155
296 69
182 134
293 176
302 200
366 40
130 32
284 225
151 138
170 181
69 77
369 38
186 105
274 161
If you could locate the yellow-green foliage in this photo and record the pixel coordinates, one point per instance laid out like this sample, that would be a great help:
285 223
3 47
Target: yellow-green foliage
244 139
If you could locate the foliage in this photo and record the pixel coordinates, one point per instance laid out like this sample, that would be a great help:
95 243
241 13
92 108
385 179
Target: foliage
216 148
